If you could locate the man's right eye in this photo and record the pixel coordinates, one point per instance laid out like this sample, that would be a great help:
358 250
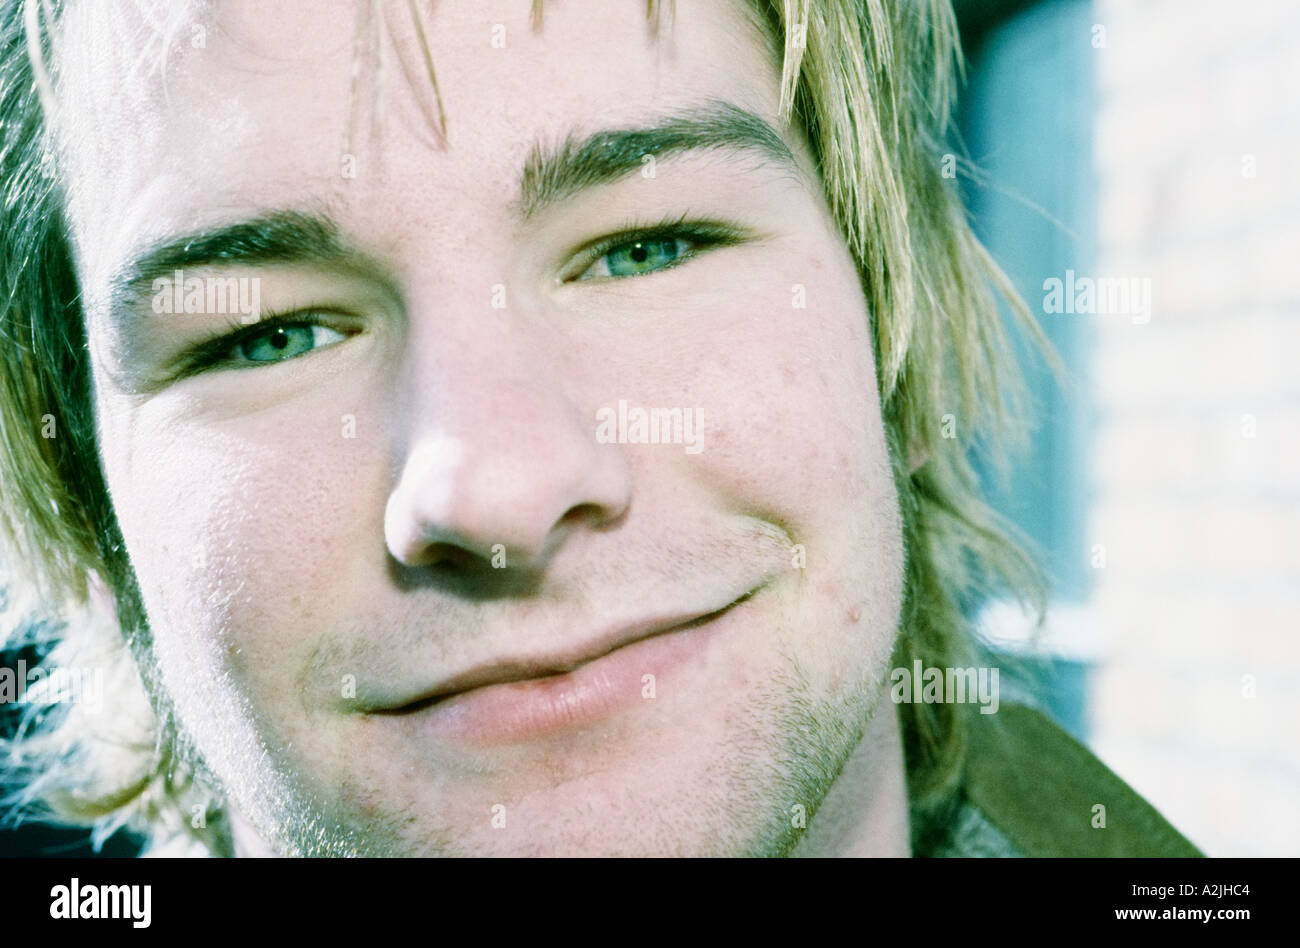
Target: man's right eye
275 339
286 341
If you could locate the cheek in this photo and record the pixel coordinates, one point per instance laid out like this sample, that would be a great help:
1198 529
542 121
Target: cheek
789 397
799 441
240 533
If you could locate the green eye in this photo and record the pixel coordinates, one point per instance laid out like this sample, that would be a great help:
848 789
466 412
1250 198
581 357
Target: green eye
286 341
643 249
643 256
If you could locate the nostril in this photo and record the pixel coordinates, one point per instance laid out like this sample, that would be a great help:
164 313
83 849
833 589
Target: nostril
591 514
453 559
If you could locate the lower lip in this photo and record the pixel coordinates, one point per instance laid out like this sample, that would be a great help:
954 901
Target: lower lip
518 711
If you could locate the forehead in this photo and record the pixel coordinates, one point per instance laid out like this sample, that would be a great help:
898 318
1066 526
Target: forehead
218 110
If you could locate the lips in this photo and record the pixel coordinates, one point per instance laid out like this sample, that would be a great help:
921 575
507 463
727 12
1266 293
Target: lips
517 699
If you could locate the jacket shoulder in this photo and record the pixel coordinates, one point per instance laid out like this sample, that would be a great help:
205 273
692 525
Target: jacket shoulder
1041 788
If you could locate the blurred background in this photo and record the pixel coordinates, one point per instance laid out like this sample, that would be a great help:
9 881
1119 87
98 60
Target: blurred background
1154 140
1158 140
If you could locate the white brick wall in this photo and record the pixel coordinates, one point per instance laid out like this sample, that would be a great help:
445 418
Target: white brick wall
1201 523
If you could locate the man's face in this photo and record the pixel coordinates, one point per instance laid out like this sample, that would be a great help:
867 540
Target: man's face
370 543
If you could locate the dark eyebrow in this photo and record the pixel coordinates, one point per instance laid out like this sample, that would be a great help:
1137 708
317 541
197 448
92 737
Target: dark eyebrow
274 237
553 174
550 175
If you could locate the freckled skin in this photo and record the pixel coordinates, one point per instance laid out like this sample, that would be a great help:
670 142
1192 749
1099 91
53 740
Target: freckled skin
478 424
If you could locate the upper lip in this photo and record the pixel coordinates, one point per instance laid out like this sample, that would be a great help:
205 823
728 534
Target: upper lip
526 669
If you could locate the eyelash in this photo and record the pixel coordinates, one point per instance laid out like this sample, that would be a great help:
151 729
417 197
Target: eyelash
217 352
701 235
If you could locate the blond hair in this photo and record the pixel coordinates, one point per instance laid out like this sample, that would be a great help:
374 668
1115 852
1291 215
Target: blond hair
870 85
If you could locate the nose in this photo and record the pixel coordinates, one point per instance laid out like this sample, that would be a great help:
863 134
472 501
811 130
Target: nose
501 465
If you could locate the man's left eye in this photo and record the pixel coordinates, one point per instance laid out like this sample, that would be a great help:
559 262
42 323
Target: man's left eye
638 257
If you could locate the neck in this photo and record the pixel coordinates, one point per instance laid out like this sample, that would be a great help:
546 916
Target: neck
865 812
246 841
